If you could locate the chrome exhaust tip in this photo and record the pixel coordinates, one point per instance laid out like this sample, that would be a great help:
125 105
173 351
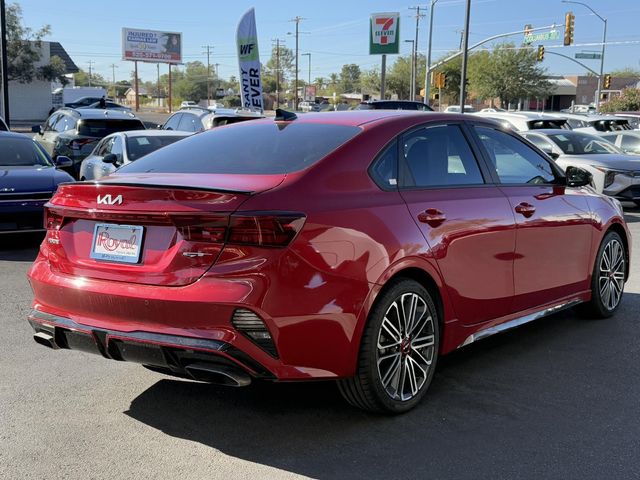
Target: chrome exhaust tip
46 339
218 374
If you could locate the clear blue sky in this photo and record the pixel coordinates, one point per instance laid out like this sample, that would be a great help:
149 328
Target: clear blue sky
337 30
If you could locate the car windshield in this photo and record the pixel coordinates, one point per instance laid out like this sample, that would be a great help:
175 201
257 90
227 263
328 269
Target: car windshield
575 143
248 148
102 128
142 145
21 152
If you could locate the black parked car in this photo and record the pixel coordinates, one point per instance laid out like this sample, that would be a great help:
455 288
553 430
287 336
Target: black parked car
393 105
75 132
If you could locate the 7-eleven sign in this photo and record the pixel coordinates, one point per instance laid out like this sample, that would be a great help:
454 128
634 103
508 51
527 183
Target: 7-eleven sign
384 33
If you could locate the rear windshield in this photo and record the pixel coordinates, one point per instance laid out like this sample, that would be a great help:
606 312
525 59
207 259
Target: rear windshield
21 152
248 148
538 124
102 128
142 145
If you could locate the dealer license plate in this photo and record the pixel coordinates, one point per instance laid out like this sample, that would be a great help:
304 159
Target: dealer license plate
117 243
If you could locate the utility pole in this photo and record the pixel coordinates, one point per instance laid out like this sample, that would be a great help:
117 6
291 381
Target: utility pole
277 45
5 63
297 21
415 50
308 55
208 52
465 51
113 78
90 62
427 83
412 81
158 84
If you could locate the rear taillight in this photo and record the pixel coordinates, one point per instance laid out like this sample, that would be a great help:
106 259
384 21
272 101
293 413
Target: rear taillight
78 143
208 229
255 229
264 230
52 220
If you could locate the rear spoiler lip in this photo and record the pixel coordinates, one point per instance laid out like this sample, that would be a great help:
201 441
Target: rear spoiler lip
153 185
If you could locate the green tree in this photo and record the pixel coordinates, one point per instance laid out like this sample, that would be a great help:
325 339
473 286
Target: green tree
23 51
81 79
510 74
399 77
625 72
350 77
628 101
370 81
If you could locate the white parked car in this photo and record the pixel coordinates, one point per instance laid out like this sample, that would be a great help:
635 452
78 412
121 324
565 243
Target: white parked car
628 141
522 121
187 104
456 109
593 123
614 173
120 148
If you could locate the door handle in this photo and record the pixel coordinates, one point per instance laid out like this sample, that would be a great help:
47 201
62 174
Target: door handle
432 217
525 209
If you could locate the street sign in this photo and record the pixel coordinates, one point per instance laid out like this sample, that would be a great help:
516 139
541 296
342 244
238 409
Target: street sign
541 37
588 55
384 33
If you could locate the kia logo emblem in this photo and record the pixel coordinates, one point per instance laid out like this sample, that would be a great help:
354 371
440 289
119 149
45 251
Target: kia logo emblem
107 199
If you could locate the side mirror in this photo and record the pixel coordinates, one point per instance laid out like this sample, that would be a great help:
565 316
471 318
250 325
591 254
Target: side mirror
63 162
553 155
36 129
110 158
578 177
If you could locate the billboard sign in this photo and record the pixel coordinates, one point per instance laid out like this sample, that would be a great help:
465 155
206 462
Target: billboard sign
151 46
384 33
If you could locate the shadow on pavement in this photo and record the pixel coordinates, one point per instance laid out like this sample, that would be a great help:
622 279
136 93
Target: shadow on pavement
20 247
536 402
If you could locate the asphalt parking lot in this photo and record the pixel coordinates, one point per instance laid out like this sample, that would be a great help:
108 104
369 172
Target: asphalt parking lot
559 398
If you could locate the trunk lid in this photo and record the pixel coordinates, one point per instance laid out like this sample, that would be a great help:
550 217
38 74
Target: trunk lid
183 218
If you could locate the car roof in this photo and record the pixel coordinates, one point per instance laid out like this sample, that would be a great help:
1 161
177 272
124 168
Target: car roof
519 115
154 133
585 118
358 118
93 113
555 131
5 134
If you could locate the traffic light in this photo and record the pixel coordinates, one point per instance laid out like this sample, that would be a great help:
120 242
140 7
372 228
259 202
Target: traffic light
569 24
607 82
540 56
441 80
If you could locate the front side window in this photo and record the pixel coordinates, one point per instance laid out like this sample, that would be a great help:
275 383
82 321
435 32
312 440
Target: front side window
540 142
438 156
631 143
513 160
173 122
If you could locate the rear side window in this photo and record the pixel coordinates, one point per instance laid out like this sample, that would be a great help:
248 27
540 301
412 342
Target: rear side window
102 128
514 161
384 170
248 148
438 156
173 122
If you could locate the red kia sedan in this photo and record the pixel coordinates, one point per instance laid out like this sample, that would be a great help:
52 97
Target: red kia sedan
356 246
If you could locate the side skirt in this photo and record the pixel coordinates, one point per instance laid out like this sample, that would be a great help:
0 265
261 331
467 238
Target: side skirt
516 322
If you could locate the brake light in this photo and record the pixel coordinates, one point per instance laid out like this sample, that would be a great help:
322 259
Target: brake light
80 142
208 229
264 230
52 220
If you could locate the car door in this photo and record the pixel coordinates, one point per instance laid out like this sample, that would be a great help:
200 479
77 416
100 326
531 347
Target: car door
554 231
466 221
48 135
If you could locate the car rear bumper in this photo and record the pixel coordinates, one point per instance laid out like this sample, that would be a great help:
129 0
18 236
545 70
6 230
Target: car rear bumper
195 358
312 340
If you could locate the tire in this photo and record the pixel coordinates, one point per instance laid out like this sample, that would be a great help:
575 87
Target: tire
607 284
397 382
